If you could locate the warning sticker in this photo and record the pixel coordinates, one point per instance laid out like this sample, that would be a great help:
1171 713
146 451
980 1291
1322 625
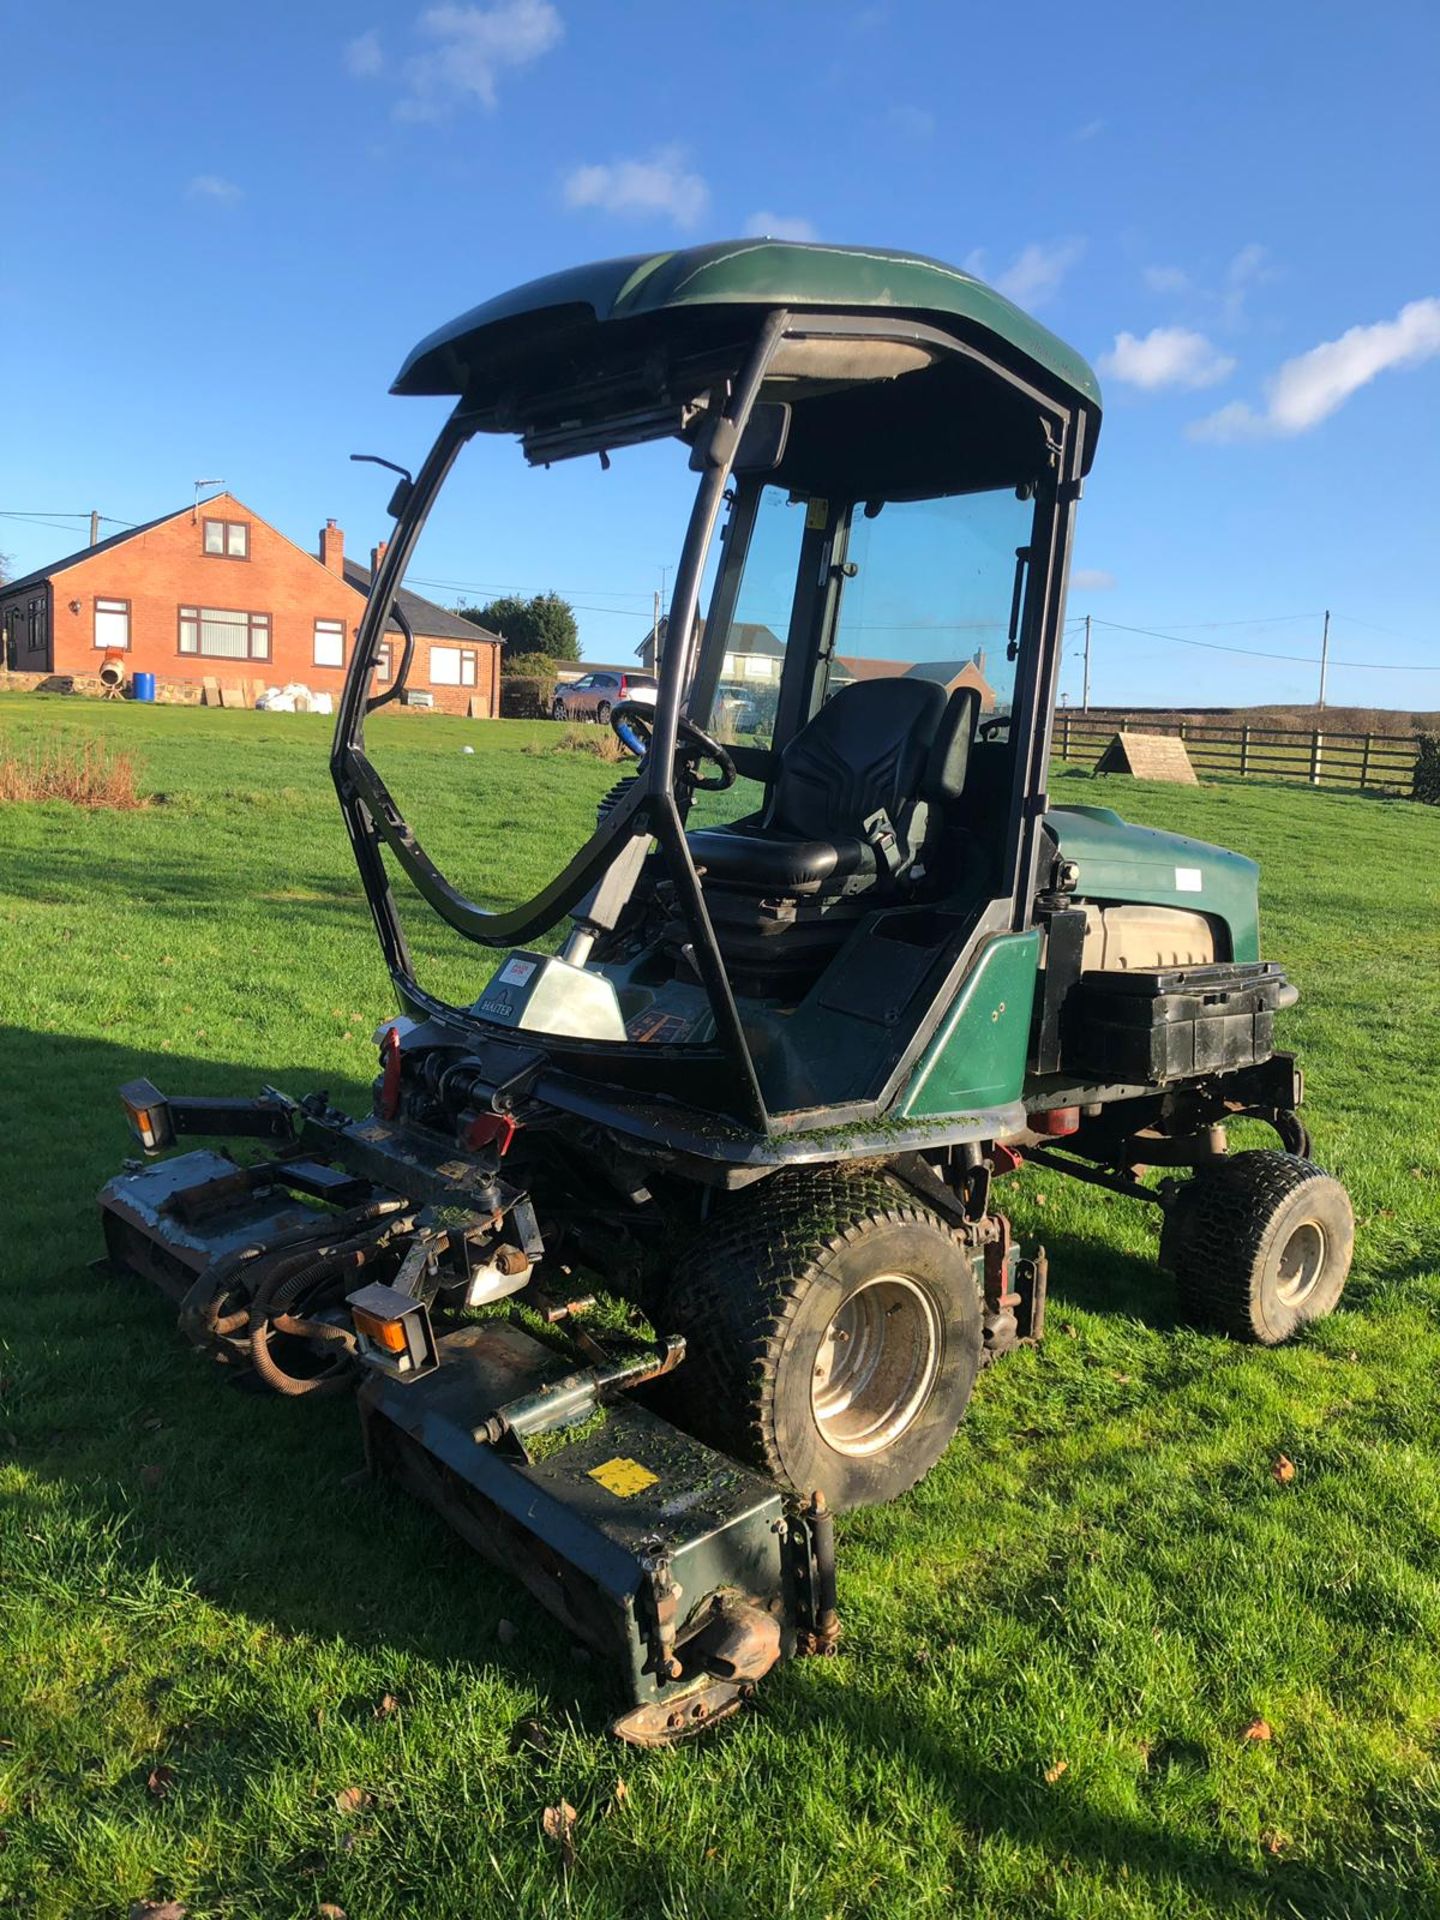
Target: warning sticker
1189 880
515 973
817 515
657 1027
623 1477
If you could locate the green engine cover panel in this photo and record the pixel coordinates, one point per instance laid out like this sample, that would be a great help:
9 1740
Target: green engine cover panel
1118 862
977 1059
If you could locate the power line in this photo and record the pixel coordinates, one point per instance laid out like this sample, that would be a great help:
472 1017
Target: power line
35 520
1346 619
1260 620
496 586
52 514
1256 653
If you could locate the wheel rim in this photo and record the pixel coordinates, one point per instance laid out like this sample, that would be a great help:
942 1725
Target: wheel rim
602 712
876 1365
1302 1261
557 712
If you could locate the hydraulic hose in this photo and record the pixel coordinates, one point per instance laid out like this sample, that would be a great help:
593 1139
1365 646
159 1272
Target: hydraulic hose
201 1318
269 1313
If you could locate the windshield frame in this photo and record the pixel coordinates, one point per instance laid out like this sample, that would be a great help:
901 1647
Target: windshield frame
651 806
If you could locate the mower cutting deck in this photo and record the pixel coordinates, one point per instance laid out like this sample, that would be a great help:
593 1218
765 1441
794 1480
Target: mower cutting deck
763 1096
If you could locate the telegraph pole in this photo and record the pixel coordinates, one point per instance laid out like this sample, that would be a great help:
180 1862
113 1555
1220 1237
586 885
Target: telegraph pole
94 528
1085 694
1324 656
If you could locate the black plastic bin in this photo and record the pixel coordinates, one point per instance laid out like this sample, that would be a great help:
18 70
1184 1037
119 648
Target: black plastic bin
1174 1023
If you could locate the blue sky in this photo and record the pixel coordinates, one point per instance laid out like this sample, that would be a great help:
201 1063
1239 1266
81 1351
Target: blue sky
223 228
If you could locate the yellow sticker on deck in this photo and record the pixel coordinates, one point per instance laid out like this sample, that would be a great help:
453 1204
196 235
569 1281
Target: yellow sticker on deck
623 1477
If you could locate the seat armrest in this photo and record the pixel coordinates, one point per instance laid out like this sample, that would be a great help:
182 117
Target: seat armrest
755 763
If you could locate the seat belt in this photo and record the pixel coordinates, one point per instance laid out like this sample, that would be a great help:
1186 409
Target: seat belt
881 835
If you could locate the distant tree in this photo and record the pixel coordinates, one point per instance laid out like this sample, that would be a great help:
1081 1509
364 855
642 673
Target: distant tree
544 624
6 569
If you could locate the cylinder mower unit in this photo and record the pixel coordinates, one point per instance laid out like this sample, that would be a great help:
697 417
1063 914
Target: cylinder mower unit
830 965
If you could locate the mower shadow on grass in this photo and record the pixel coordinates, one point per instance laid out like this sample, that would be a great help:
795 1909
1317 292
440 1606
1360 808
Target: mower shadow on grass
1103 1279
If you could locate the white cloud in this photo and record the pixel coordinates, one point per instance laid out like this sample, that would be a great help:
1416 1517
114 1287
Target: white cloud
1165 357
1090 129
211 186
659 184
473 46
1219 302
362 56
915 123
1251 267
1034 274
780 226
1308 389
1092 580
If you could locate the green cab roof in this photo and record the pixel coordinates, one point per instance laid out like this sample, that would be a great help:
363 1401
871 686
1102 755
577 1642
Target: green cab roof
741 273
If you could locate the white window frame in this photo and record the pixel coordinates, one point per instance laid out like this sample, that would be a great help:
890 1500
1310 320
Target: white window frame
333 632
463 666
112 611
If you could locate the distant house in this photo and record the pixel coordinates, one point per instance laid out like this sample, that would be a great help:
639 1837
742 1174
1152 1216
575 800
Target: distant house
950 674
213 593
754 653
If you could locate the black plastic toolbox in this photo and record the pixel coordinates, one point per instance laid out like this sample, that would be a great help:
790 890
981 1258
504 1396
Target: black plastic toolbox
1145 1028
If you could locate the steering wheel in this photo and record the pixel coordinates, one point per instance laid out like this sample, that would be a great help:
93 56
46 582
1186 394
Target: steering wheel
993 726
633 723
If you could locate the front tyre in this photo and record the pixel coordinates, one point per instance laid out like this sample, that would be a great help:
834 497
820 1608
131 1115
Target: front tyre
558 710
602 713
1260 1245
833 1335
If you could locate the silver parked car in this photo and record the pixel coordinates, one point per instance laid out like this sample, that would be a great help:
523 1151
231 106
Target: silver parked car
593 695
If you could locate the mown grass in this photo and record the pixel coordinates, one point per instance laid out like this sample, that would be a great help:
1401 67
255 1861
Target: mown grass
1054 1647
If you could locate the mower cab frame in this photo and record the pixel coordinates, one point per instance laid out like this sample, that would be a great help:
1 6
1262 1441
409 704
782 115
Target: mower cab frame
656 802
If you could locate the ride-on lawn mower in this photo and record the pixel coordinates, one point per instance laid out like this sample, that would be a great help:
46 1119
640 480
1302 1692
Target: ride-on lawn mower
764 1086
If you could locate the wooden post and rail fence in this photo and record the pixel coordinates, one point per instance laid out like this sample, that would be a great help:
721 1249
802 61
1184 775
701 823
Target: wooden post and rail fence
1382 762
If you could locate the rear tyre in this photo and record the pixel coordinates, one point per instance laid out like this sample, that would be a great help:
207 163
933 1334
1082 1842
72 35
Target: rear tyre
602 713
1260 1244
833 1334
557 710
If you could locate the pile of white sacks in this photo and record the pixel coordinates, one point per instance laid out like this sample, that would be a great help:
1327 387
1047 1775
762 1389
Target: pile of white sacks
294 698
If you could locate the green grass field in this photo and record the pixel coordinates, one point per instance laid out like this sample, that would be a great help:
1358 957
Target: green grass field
232 1677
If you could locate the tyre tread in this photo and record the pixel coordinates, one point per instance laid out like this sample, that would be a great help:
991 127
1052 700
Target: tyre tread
1220 1242
739 1289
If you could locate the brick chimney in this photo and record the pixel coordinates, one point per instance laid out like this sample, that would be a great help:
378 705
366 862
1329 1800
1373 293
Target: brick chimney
332 548
377 554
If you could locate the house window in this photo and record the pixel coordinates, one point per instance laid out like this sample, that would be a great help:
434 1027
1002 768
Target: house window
230 539
382 661
112 623
452 666
218 634
329 643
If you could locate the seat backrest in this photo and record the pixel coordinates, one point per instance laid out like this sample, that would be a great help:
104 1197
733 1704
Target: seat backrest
948 761
866 749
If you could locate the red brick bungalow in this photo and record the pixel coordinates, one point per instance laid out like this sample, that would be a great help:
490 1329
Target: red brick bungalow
213 592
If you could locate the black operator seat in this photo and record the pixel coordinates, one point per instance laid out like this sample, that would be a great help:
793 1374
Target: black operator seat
850 808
